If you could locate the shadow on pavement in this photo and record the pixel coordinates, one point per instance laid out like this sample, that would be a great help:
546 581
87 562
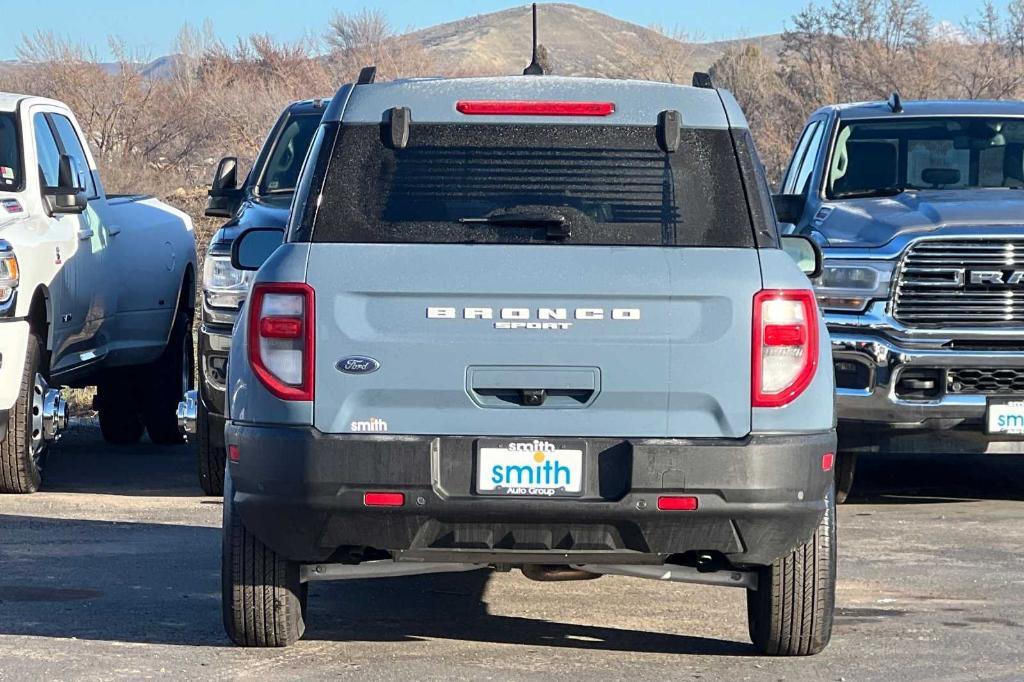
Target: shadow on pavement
917 478
82 462
160 583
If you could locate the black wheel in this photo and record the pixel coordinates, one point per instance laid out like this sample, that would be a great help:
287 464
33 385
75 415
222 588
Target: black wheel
846 468
791 612
118 403
263 600
23 448
169 379
211 457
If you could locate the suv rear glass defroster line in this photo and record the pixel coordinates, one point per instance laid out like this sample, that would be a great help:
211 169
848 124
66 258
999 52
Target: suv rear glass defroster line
511 184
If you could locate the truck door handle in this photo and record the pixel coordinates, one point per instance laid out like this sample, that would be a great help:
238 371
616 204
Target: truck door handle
85 234
114 230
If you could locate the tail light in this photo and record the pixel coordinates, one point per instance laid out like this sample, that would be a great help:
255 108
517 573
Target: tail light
281 347
785 351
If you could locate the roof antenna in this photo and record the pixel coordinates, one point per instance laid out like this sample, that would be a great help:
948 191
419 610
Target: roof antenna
895 103
534 69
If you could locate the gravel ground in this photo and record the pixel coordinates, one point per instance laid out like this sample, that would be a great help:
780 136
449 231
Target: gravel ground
113 573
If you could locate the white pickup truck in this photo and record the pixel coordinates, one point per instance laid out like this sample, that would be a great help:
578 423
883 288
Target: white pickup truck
95 290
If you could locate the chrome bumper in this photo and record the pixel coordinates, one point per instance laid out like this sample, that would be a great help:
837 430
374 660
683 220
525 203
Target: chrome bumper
888 360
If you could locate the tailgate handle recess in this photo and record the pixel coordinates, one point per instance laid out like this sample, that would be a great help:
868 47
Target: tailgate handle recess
533 387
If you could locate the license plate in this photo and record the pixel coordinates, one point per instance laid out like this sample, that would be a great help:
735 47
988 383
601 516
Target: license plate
1005 416
530 468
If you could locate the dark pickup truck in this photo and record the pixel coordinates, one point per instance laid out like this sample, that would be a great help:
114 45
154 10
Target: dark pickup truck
263 200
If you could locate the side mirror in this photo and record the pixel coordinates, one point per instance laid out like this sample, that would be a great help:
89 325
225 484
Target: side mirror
253 247
224 194
789 208
806 252
68 197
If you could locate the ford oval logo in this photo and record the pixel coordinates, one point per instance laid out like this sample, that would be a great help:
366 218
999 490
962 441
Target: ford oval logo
357 364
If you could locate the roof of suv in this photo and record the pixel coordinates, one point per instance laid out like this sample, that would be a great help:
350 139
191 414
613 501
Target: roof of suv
636 102
862 110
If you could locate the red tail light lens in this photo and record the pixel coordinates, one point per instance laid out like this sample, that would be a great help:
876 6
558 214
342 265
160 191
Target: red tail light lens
785 350
533 108
281 338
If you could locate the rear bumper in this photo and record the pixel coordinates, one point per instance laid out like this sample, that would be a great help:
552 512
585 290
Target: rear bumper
301 492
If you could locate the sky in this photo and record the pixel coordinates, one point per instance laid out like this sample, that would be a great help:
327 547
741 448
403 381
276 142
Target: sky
151 26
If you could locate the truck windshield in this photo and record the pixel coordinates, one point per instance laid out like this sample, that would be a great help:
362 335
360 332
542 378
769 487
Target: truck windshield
887 156
522 184
10 154
289 152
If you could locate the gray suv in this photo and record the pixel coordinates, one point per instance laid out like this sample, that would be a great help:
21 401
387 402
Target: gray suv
535 323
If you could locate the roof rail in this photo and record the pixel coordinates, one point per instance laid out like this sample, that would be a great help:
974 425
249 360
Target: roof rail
895 103
703 80
367 75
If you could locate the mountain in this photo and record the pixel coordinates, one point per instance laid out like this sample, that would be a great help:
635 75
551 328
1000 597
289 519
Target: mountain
580 41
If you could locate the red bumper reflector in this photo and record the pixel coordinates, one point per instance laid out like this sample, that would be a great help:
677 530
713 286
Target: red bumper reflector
384 499
828 460
533 108
234 454
677 503
281 327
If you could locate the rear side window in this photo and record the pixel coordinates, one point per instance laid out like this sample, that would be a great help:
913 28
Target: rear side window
610 185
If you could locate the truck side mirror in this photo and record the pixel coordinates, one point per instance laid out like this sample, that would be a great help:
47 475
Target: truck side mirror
254 246
806 252
68 197
224 195
789 208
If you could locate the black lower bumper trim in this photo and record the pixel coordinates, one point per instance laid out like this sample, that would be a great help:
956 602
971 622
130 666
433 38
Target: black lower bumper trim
301 492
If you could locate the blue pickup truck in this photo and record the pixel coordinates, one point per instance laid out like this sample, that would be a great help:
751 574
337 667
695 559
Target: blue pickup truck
535 323
261 200
919 207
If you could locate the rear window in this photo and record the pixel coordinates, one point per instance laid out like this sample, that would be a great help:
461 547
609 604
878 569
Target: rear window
10 153
511 184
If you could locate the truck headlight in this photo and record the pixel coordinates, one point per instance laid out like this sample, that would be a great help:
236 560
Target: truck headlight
223 285
850 286
10 276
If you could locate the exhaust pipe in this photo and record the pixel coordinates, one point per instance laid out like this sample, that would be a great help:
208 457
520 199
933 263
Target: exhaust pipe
55 414
188 413
547 573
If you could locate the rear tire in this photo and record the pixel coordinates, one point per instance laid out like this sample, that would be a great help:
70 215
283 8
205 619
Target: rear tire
846 468
263 600
120 421
211 457
170 378
21 455
791 612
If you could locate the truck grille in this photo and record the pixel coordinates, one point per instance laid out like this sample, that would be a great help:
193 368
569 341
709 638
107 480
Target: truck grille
986 381
933 285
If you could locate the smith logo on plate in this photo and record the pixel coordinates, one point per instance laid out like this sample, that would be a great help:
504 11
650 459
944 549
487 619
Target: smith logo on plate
536 468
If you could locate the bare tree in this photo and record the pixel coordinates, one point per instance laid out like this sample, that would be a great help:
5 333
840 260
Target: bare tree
366 38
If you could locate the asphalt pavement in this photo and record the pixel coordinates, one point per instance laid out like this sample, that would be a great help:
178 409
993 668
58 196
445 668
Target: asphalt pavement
113 573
